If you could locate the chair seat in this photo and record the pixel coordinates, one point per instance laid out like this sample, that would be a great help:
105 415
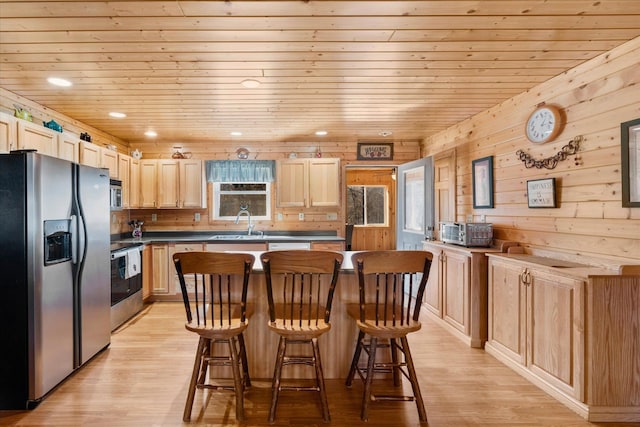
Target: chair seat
219 332
380 330
305 332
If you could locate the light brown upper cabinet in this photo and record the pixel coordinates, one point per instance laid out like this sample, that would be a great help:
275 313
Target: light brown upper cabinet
134 183
68 147
37 137
8 133
308 183
124 175
178 184
99 157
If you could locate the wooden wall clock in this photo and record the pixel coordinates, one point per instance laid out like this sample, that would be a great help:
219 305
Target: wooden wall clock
543 125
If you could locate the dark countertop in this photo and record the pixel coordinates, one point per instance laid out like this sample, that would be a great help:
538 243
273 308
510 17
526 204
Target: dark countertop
226 236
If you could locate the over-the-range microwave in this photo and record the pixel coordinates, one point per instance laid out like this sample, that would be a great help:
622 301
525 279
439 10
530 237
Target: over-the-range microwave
478 234
115 195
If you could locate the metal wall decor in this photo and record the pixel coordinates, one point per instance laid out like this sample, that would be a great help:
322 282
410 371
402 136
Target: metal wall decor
551 162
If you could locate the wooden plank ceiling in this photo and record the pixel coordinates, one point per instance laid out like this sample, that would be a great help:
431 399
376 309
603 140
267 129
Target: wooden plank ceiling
356 69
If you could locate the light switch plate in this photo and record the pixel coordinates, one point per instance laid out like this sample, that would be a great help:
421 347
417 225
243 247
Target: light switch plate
332 216
279 216
154 217
301 216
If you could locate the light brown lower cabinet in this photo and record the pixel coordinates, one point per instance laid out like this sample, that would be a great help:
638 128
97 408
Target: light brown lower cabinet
575 337
147 272
456 294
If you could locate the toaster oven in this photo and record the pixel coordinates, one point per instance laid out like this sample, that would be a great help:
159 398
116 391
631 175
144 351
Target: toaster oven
478 234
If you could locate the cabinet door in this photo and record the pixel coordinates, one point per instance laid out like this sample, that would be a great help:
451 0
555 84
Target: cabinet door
8 133
147 271
455 290
192 189
433 291
173 275
124 175
68 147
148 186
134 183
90 154
292 184
109 160
507 310
40 138
555 324
324 182
160 257
168 184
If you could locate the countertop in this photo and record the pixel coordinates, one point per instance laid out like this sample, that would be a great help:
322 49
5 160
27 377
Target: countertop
558 266
225 236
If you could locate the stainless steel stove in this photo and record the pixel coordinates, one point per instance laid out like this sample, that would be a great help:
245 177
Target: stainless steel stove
126 282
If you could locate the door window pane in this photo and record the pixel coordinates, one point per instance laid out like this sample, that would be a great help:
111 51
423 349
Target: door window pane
367 205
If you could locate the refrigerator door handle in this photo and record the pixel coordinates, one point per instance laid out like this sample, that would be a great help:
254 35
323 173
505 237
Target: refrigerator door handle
82 239
74 233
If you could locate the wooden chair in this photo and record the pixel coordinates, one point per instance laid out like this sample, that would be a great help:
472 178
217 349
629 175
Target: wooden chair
391 286
214 290
300 287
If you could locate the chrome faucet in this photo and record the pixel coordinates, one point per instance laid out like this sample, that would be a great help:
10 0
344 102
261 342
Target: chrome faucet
245 211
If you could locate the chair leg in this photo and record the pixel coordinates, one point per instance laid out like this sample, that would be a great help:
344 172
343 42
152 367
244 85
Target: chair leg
422 413
366 397
320 381
198 366
243 358
393 347
237 379
277 373
356 359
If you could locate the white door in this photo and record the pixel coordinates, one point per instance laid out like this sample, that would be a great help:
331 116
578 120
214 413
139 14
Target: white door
415 203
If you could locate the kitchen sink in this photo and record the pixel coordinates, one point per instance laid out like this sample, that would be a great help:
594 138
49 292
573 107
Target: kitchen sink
237 237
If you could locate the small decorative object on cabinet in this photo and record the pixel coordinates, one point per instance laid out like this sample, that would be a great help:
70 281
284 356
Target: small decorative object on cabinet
541 193
543 125
375 151
630 139
482 175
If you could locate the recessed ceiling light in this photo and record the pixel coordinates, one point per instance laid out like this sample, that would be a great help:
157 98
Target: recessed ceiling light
385 133
117 115
151 134
236 133
250 83
59 82
321 132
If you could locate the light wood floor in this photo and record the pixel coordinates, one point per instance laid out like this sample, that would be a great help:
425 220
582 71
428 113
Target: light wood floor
142 378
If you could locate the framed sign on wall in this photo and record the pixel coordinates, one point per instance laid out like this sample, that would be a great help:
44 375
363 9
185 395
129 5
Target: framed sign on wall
375 151
541 193
482 175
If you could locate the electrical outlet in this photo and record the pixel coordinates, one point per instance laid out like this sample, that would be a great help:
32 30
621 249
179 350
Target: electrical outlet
196 217
301 216
332 216
279 216
114 219
483 218
154 217
470 218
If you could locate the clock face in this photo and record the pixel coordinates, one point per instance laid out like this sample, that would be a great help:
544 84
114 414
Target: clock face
543 125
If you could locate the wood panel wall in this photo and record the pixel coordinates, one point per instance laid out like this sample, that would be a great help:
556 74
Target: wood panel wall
589 220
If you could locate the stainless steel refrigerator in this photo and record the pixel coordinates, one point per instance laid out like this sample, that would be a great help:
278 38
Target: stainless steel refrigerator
54 272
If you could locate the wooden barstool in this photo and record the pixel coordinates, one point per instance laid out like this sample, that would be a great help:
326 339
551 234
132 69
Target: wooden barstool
300 287
391 286
214 290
